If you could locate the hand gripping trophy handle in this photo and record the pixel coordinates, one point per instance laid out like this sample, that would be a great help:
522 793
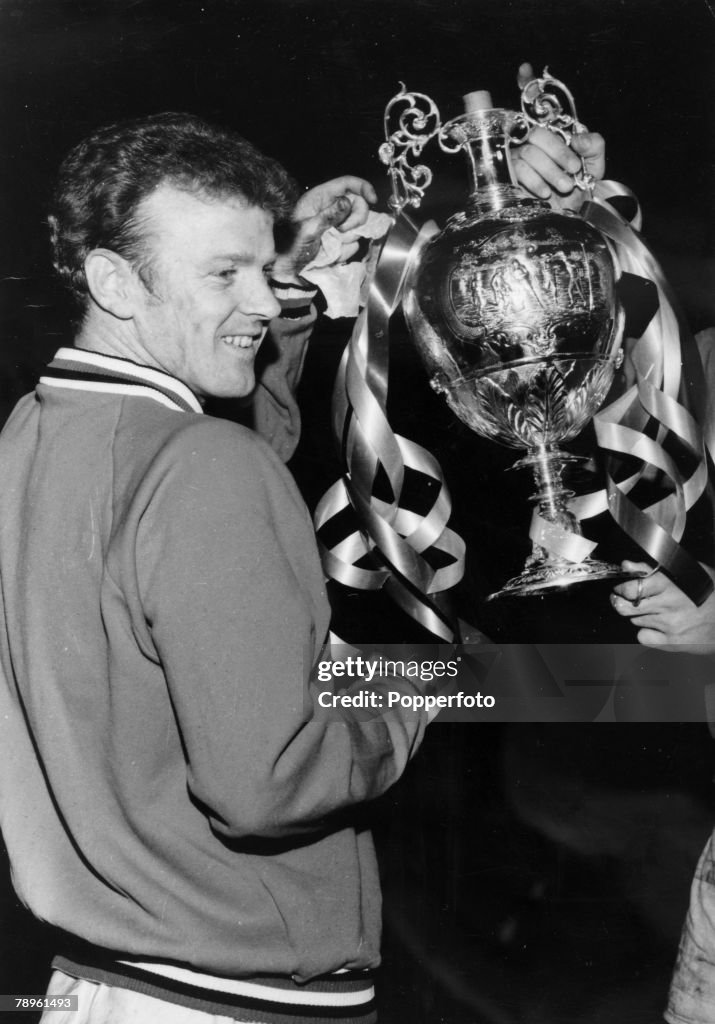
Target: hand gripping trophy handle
546 102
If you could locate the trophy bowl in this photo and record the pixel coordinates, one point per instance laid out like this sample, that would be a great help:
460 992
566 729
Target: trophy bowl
514 311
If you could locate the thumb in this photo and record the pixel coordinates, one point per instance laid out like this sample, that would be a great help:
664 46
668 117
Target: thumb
525 74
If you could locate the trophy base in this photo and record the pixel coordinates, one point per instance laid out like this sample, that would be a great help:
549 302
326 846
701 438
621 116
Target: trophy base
549 576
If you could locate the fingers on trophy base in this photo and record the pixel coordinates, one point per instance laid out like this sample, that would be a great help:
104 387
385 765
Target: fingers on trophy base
543 576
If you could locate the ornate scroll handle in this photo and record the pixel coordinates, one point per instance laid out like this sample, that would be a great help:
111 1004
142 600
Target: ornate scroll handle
543 101
412 119
406 135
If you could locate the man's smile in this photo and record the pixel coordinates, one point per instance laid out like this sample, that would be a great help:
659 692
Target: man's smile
241 340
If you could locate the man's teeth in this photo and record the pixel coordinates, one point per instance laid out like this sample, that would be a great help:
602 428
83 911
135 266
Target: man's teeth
239 340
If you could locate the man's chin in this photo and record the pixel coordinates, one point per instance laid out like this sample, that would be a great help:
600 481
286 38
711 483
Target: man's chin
232 390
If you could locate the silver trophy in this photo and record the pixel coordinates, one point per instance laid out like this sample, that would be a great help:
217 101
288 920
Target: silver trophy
514 312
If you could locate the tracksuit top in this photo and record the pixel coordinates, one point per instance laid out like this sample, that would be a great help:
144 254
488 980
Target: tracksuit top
167 795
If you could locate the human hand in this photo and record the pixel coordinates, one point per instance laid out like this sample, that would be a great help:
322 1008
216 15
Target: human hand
664 616
544 164
342 203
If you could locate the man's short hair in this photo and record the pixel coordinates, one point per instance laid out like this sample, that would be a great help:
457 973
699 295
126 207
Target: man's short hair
106 176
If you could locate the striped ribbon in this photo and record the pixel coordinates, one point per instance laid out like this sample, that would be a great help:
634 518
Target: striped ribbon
395 539
667 400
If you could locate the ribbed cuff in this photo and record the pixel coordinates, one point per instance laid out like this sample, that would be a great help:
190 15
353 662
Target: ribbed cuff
295 299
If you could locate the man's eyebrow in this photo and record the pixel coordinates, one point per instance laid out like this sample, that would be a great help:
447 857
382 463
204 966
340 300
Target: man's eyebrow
233 257
246 258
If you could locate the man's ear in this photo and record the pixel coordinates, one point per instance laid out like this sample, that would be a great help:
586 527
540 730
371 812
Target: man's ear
110 282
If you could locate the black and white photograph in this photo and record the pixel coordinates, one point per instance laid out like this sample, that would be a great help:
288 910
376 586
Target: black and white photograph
357 512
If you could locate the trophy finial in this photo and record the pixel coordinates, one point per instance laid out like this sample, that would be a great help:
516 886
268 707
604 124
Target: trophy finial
480 99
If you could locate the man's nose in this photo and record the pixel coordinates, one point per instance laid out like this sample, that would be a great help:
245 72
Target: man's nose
260 300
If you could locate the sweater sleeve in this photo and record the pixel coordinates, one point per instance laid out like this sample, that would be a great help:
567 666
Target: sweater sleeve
231 586
276 416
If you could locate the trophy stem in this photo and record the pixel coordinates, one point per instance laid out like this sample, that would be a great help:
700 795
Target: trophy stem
549 569
548 463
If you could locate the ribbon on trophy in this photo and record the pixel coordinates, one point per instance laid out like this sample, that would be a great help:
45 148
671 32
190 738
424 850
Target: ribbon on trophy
666 402
390 538
656 421
662 405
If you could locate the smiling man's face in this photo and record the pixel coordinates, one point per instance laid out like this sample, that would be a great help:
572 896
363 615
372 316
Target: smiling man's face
208 302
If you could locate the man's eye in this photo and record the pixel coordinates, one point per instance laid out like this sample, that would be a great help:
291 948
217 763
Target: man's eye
226 275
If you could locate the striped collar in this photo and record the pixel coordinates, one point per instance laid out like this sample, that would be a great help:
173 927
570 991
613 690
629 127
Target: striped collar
83 370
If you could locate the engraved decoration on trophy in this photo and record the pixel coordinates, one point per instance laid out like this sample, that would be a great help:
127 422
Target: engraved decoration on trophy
513 309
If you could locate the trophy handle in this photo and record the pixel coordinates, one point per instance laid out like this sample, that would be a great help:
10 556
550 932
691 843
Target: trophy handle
411 120
548 103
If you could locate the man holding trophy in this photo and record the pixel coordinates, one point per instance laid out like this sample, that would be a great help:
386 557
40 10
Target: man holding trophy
167 795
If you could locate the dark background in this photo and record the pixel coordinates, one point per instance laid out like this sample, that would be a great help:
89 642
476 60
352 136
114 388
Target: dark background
535 874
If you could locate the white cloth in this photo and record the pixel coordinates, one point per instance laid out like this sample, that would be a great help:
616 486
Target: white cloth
341 283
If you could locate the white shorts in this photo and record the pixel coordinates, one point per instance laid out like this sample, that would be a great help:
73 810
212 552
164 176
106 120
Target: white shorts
107 1004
